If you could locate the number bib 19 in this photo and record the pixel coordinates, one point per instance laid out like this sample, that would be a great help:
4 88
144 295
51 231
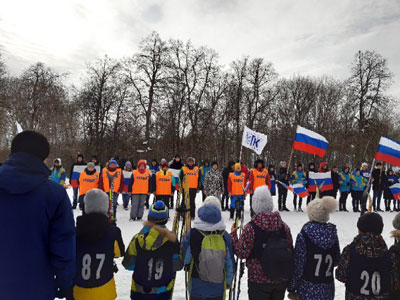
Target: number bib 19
369 276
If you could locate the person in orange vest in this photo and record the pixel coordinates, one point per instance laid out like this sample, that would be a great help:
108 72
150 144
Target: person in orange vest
112 173
236 185
194 179
140 189
164 185
259 176
89 179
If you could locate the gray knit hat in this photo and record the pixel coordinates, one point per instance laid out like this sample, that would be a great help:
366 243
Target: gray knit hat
212 200
319 209
96 201
262 200
396 222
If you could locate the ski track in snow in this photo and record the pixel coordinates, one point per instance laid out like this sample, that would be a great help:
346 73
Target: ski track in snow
346 223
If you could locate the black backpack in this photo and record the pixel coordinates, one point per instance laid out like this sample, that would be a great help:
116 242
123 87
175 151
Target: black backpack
274 252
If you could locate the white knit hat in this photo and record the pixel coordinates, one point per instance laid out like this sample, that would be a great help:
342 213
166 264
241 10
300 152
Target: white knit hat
262 200
212 200
319 209
96 201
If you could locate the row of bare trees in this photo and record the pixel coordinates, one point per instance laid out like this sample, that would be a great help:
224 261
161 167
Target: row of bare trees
172 97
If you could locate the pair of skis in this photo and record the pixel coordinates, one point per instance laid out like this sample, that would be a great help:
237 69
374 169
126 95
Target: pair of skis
182 214
239 262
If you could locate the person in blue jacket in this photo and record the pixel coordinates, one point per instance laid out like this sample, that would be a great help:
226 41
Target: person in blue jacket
208 221
298 176
344 187
37 226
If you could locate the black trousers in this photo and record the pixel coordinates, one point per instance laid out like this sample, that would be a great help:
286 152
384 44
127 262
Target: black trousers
192 196
342 200
311 197
282 196
267 291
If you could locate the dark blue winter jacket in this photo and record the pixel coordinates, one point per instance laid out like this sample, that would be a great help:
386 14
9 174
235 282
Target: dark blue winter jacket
37 253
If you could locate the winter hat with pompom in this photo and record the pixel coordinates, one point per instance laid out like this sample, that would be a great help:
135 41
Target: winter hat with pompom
212 200
318 210
158 213
262 200
96 201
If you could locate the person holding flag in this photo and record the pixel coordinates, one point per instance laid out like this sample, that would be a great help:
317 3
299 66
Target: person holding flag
126 195
79 162
358 184
344 187
388 196
298 176
236 191
378 179
312 193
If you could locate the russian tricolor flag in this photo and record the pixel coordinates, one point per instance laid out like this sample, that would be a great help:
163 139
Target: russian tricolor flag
321 180
76 173
127 179
395 189
388 151
310 142
297 189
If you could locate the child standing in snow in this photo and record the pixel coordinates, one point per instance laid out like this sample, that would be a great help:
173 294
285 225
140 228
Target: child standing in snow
298 176
358 184
236 186
265 224
316 253
154 257
366 266
97 244
211 268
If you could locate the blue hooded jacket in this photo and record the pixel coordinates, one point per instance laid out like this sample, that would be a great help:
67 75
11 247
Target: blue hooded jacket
37 229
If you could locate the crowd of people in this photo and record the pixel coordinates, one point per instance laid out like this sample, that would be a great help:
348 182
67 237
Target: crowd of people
70 262
230 184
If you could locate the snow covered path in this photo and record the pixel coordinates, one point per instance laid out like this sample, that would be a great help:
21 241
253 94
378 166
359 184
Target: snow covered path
345 222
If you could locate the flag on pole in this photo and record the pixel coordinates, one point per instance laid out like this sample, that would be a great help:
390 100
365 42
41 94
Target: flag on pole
254 140
310 142
297 189
316 180
388 151
395 189
127 180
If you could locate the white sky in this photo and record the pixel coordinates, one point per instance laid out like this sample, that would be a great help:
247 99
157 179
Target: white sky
312 37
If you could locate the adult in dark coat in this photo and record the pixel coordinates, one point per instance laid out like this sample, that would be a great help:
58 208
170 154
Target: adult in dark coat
36 227
225 176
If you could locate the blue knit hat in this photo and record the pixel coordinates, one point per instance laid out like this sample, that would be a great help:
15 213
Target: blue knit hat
113 161
209 214
158 213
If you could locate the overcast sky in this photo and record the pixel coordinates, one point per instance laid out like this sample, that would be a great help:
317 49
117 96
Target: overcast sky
312 37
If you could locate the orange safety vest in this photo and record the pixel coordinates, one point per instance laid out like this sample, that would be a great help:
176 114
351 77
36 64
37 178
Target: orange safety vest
88 182
193 177
106 181
237 183
163 183
140 182
259 178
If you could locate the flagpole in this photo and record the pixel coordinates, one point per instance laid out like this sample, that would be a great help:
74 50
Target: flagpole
290 161
240 156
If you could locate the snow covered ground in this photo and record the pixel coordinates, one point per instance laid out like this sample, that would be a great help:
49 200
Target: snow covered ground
346 223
